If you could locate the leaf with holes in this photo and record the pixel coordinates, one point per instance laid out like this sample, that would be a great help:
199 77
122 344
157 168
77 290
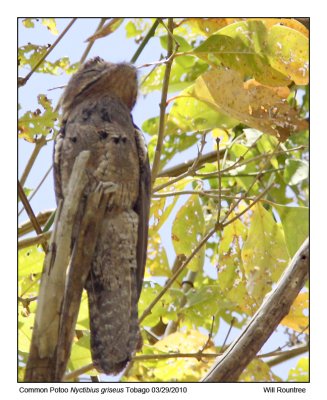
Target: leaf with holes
264 253
187 231
157 261
301 372
38 122
297 318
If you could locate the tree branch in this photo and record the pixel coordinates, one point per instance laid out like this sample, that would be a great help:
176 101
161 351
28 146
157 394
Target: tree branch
230 365
91 42
27 226
40 365
39 239
163 105
30 213
39 143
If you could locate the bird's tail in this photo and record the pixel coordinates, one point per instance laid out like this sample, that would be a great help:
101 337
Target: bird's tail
114 326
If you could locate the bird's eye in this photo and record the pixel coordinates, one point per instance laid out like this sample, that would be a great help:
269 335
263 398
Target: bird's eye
103 135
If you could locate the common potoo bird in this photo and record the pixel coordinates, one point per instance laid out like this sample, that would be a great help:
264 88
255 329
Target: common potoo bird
96 107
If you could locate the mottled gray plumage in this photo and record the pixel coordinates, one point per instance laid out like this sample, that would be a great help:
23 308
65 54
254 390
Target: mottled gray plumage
96 116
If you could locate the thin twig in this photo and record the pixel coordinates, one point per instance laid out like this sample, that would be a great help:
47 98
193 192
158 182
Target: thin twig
206 344
91 42
39 143
240 162
256 199
219 181
281 355
36 66
191 170
145 40
258 176
205 158
227 335
30 213
172 279
207 193
37 188
39 239
286 355
27 226
80 371
163 105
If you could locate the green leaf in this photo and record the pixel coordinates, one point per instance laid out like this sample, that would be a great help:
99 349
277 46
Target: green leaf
188 230
264 253
202 304
301 372
183 44
81 354
30 261
137 27
295 221
240 46
191 114
157 261
295 171
184 72
273 55
165 309
28 22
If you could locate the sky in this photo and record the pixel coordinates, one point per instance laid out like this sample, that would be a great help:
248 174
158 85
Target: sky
114 48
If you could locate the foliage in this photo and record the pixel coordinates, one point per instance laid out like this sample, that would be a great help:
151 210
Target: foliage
243 81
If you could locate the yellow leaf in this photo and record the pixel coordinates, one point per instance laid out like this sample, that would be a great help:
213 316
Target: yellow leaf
107 29
289 53
182 369
296 319
289 22
255 105
50 23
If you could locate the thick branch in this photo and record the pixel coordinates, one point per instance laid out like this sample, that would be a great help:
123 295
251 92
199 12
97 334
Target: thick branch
230 365
40 364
